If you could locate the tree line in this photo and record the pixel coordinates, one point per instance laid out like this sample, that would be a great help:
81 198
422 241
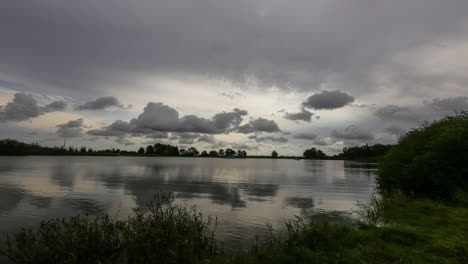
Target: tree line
14 147
365 152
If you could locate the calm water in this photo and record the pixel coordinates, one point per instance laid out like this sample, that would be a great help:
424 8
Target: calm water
243 194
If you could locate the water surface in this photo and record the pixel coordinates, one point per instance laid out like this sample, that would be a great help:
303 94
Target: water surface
243 194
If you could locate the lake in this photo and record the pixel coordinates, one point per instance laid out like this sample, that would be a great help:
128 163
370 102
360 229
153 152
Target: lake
243 194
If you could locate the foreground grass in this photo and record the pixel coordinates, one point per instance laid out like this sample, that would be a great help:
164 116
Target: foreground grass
397 231
413 231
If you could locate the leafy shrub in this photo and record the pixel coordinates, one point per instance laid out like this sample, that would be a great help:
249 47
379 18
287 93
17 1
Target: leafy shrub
431 161
162 233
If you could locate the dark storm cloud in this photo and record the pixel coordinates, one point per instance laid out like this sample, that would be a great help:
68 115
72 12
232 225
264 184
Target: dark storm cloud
452 104
100 103
307 136
124 141
158 119
400 113
230 120
158 134
206 138
81 46
259 125
73 128
427 111
24 107
55 106
328 100
303 115
268 139
321 142
352 133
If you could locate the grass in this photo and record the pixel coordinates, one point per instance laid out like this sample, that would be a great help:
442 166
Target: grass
394 230
411 231
160 233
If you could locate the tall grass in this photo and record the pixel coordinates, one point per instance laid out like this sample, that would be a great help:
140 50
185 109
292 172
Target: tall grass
163 232
394 229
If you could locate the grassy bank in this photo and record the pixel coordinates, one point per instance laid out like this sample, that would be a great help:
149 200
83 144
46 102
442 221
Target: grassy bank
396 230
400 231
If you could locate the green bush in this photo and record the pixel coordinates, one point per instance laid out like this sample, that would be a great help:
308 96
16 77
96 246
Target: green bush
431 161
162 233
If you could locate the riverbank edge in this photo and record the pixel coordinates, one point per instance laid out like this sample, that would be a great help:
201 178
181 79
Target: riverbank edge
392 230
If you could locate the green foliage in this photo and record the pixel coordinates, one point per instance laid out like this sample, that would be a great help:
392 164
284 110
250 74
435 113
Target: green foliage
163 149
13 147
229 152
314 153
364 152
162 233
416 231
141 151
213 153
409 231
431 161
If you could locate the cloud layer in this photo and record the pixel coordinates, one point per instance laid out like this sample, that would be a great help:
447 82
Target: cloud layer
100 103
157 119
71 129
24 107
328 100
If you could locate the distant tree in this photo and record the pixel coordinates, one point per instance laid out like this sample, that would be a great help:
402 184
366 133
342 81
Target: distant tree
244 154
229 152
240 154
364 152
182 152
314 153
90 150
192 152
274 154
162 149
149 150
141 151
213 153
204 154
83 149
221 152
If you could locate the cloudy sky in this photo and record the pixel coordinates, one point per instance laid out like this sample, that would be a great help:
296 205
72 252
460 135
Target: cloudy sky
247 74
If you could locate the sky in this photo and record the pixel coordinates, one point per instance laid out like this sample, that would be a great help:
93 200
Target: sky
255 75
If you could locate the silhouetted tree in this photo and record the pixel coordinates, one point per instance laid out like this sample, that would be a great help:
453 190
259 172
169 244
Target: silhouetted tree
221 152
229 152
274 154
162 149
314 153
213 153
364 152
141 151
149 150
192 152
204 154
